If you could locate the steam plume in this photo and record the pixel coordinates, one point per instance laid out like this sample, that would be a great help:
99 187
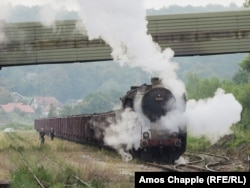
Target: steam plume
213 117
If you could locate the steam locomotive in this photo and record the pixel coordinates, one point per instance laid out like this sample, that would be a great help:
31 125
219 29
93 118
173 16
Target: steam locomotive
148 125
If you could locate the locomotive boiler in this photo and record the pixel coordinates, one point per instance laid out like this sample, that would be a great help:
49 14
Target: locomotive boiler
160 138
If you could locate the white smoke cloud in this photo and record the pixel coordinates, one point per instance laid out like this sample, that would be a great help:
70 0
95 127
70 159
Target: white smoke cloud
4 12
47 15
125 134
213 117
123 26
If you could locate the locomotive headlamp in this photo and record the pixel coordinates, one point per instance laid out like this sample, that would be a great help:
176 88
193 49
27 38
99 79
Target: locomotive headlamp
144 143
174 135
146 135
178 143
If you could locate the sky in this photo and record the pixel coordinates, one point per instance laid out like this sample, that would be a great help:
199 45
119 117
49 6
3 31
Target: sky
149 3
156 4
54 7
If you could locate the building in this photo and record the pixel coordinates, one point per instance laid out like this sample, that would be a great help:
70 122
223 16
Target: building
10 107
17 96
44 103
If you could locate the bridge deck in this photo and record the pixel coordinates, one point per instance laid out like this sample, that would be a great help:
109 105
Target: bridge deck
186 34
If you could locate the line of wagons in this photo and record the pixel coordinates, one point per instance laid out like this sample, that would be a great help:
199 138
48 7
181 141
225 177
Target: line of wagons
84 129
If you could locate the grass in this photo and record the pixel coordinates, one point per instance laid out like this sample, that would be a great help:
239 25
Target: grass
235 145
57 162
197 144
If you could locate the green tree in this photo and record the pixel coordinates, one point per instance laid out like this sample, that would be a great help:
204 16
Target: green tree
201 88
52 111
96 103
242 93
5 96
38 112
245 64
240 77
68 110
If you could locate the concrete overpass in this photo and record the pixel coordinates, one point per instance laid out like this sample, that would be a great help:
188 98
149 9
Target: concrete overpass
187 34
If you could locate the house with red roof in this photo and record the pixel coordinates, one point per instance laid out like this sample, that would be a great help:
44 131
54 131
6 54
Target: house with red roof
10 107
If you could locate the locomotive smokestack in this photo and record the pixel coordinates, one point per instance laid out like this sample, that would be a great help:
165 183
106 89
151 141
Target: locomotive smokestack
155 81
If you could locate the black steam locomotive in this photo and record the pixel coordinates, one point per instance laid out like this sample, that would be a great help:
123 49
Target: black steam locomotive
159 137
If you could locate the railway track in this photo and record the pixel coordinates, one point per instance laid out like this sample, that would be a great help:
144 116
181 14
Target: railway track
218 163
12 139
205 162
80 181
197 162
30 162
163 167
